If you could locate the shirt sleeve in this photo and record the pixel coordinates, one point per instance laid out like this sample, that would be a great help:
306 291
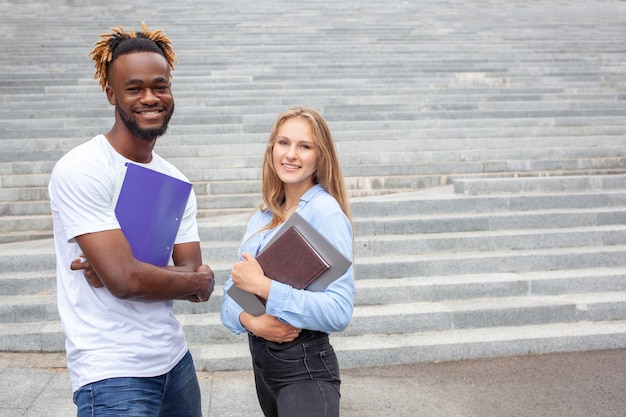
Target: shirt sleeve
230 310
81 193
188 231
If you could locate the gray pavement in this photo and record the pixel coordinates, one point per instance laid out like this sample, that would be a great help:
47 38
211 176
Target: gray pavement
581 384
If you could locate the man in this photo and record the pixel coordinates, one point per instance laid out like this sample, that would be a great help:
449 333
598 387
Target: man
127 354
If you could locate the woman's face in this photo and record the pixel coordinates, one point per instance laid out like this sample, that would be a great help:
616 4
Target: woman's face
294 155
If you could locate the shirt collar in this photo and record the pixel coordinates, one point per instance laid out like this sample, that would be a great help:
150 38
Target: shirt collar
310 193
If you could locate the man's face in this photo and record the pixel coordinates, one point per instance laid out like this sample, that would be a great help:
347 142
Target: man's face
139 87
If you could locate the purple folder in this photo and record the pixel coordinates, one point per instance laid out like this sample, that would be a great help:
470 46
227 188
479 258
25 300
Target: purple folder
149 209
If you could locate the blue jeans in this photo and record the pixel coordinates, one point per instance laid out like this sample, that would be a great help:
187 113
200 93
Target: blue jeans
175 394
302 380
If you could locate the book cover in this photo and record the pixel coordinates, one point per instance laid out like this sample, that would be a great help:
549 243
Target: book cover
292 260
301 257
149 209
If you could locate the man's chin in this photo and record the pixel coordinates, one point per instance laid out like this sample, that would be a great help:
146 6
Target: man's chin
150 135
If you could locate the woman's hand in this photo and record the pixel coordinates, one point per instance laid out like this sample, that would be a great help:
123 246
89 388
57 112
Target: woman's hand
269 327
248 276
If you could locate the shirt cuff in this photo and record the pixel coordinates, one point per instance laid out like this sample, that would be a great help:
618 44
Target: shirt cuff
279 293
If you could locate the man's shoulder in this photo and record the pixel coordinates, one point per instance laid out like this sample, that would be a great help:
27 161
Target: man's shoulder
89 150
90 158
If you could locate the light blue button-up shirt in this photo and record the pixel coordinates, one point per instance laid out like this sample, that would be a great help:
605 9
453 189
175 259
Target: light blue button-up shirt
325 311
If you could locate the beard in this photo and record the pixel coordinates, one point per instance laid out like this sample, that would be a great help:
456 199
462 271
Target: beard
146 134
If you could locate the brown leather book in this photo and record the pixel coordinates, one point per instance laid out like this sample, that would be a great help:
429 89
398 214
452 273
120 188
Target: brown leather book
292 260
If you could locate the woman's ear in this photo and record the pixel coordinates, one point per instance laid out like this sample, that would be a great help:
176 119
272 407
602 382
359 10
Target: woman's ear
110 94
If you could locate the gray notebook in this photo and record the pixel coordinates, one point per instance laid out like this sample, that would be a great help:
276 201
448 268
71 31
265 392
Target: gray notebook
320 247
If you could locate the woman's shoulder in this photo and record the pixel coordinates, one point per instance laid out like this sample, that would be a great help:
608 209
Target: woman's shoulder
320 199
323 208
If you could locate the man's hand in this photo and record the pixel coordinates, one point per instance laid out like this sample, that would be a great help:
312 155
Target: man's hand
210 279
92 278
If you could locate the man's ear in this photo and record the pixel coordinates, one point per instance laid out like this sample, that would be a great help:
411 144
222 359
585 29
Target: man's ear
110 94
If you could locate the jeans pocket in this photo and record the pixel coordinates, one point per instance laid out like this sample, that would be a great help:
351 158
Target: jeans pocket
294 355
328 358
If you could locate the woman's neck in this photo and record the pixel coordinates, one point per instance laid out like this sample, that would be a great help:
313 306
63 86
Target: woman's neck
293 194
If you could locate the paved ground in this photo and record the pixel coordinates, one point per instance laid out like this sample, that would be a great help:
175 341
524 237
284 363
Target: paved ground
582 384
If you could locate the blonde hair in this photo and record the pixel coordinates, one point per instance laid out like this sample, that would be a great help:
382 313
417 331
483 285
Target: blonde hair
119 42
328 173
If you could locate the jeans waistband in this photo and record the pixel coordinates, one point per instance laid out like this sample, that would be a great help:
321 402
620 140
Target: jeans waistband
304 336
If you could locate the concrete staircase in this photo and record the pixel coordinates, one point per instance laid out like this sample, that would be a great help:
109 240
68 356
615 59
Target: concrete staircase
483 143
441 275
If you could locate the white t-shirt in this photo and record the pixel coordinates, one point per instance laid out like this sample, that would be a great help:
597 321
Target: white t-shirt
107 337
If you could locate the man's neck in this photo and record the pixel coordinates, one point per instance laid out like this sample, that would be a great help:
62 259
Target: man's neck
131 147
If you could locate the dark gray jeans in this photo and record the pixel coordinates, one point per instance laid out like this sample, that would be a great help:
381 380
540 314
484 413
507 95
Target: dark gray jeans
301 380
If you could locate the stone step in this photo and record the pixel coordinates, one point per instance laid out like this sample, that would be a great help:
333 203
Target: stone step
405 317
31 296
26 227
534 229
429 134
78 130
445 242
206 141
441 110
40 304
528 221
393 349
240 177
451 263
439 200
387 349
33 217
248 103
474 186
416 210
438 208
34 256
93 106
435 292
475 262
488 241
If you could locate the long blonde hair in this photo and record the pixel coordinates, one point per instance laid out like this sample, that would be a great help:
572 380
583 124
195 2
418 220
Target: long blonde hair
328 172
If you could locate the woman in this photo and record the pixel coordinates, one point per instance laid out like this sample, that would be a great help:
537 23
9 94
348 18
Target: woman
295 367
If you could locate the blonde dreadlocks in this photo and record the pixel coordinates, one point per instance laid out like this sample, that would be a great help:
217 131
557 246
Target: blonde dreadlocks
119 42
